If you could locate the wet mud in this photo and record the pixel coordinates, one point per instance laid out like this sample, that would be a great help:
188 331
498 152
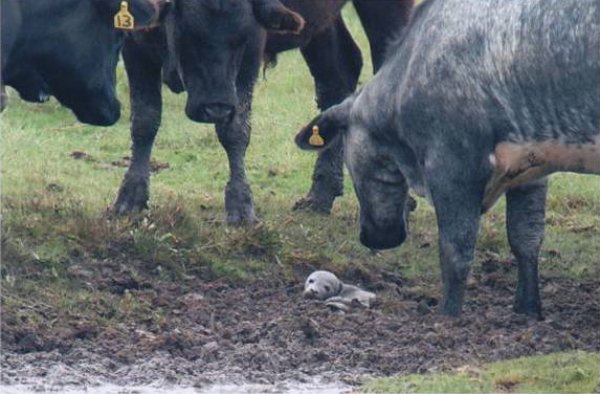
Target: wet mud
265 332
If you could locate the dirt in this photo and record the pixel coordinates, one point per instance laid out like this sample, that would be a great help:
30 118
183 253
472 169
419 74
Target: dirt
123 162
265 332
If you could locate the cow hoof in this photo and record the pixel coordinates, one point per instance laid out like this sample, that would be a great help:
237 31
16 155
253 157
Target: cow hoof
531 312
239 205
450 309
242 218
132 197
317 205
124 206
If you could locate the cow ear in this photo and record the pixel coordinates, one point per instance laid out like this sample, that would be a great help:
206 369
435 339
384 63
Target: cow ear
134 14
326 128
273 15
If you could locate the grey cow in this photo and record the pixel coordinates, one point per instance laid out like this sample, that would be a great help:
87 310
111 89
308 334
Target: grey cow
476 98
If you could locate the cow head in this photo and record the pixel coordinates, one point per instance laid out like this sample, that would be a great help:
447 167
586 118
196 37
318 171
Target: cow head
30 86
381 188
70 49
207 42
83 76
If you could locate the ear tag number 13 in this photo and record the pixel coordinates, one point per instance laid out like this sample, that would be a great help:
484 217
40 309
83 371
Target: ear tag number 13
123 19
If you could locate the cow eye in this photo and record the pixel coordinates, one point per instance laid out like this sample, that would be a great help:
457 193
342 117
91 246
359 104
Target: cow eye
326 288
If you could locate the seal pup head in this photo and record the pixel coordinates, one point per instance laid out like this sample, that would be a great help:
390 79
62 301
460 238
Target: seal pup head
322 285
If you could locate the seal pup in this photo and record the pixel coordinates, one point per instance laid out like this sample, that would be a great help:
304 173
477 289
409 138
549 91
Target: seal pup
325 286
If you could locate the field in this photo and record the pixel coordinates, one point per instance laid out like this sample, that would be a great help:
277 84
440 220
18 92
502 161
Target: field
194 301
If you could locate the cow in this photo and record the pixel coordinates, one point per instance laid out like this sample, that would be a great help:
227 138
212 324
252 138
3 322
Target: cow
214 50
30 86
68 49
476 99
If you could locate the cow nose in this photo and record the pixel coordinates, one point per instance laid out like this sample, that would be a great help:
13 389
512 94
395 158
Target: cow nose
101 115
382 239
217 112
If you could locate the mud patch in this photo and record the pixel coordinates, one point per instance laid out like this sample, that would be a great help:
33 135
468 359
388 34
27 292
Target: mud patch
155 165
214 331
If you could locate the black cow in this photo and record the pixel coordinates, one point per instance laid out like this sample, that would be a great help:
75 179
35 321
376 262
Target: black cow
30 85
214 48
70 49
478 98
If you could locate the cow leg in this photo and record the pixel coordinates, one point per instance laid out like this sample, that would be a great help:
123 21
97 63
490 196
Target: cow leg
235 137
525 212
144 73
335 62
381 20
458 210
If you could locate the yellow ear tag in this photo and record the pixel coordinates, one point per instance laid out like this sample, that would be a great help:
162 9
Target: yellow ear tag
123 19
315 138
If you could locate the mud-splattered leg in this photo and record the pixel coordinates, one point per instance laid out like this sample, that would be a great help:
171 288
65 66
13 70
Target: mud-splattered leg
335 63
235 137
144 73
525 213
457 203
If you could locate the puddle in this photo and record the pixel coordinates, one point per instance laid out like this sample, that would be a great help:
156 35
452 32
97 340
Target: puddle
284 387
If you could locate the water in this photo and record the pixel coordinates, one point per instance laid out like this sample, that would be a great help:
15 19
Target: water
88 372
284 387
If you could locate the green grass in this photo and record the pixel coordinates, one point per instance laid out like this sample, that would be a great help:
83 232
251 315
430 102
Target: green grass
53 205
575 372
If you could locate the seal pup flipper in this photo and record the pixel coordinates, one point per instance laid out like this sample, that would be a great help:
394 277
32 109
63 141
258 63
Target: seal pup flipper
338 304
351 293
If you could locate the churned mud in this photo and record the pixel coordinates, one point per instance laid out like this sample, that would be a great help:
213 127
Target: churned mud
265 332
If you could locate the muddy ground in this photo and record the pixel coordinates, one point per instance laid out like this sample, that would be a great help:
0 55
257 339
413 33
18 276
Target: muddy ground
266 332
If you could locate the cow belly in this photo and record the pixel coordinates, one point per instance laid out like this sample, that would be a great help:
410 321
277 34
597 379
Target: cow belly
516 164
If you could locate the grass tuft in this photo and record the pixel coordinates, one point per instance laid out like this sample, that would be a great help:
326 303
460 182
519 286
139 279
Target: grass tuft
575 372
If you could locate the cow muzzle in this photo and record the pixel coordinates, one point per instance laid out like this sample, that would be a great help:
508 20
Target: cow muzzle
382 238
105 114
211 113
